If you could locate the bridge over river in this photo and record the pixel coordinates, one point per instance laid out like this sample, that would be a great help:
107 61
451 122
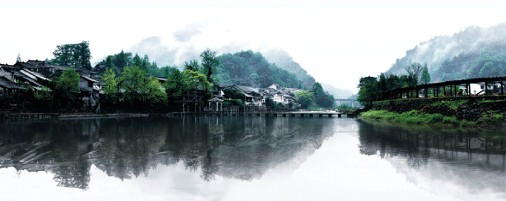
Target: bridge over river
351 102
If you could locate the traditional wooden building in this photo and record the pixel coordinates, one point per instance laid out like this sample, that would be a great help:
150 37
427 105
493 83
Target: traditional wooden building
455 88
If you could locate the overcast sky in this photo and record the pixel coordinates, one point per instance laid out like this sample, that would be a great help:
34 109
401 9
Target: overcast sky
337 42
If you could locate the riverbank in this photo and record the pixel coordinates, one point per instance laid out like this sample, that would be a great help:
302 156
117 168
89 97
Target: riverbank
280 113
40 116
476 112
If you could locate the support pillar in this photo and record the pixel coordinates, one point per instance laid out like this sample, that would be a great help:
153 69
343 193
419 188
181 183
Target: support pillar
468 86
486 88
502 87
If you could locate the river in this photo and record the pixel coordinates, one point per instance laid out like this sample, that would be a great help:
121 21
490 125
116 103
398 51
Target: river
247 158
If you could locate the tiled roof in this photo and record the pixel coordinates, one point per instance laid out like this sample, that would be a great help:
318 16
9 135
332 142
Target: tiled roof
5 83
247 89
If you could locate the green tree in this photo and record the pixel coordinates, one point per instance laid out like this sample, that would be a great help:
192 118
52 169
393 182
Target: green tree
306 98
195 81
192 65
74 55
133 80
66 90
233 93
137 61
425 77
317 90
155 92
271 103
174 85
368 91
209 63
110 83
322 98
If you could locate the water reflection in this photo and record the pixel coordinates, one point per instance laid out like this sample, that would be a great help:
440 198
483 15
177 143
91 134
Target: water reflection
474 160
233 147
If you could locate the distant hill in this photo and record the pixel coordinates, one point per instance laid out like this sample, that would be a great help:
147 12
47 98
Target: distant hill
336 92
470 53
284 61
252 69
156 51
258 69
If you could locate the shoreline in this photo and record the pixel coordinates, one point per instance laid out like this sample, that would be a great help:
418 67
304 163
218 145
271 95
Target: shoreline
436 120
476 112
47 116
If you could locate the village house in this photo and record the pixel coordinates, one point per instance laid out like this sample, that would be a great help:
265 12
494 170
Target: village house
253 96
89 93
7 86
283 96
35 74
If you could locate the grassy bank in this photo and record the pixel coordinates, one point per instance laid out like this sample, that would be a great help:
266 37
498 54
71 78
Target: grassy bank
414 117
441 113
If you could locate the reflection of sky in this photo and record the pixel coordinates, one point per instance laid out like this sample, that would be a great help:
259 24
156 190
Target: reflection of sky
460 181
336 171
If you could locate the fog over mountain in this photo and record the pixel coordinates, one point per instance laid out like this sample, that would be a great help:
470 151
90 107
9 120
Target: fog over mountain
470 53
337 92
183 49
153 47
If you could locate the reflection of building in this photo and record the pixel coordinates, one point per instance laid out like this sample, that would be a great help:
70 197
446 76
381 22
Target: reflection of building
236 147
478 161
477 143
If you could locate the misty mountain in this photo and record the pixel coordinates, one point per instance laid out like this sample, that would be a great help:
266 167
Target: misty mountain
164 55
336 92
252 69
156 51
284 61
259 69
471 53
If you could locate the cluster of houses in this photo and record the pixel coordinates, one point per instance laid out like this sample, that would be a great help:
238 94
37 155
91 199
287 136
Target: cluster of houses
256 98
37 74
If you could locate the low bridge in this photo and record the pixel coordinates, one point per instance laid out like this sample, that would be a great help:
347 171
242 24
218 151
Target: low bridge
269 114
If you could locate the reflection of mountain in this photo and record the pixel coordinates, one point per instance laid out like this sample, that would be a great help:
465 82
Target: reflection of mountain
242 148
469 159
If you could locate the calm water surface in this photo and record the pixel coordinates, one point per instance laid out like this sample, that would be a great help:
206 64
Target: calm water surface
251 158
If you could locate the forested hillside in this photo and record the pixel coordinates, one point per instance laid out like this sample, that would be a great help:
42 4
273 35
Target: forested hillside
470 53
284 61
252 69
243 68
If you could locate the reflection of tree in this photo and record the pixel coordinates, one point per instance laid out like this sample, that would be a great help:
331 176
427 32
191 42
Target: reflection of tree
209 167
127 146
415 145
242 148
74 175
448 155
391 141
